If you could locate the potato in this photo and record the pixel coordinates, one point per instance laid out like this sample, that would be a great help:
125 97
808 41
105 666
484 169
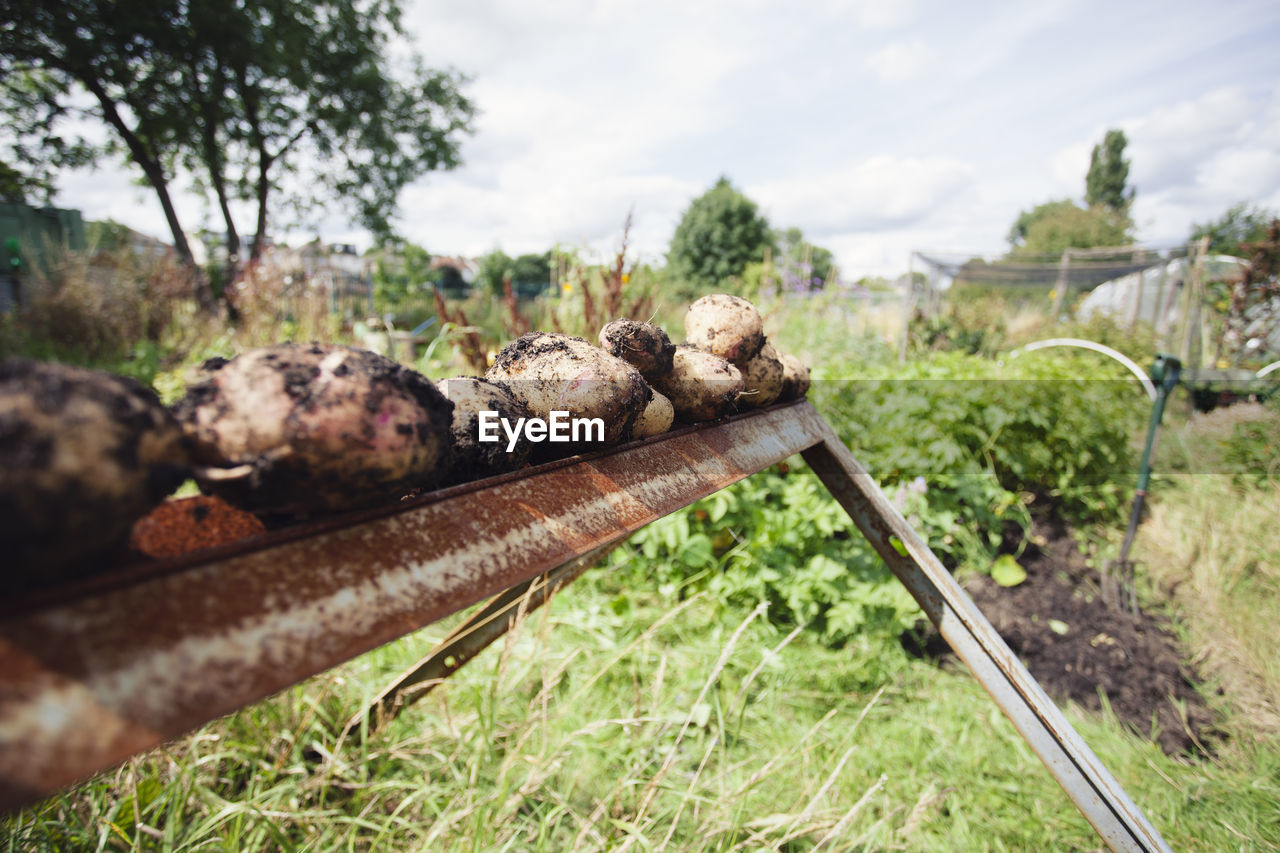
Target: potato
795 378
642 345
701 386
307 428
762 379
656 418
474 459
83 455
552 372
728 326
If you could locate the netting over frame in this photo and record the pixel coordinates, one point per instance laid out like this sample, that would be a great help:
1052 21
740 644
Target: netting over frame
1084 268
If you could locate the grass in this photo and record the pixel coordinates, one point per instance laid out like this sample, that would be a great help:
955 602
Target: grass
681 725
1212 546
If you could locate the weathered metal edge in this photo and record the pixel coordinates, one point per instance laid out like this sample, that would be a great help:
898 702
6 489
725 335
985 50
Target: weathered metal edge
1095 792
90 681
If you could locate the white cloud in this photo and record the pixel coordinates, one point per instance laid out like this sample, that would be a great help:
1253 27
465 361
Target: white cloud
880 193
880 14
1172 142
1068 168
899 61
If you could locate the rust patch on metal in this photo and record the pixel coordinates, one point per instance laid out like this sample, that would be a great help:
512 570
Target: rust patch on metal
91 676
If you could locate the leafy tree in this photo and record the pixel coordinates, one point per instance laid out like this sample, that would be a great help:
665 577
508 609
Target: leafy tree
401 270
240 94
107 235
492 269
802 257
718 235
532 269
13 185
1241 224
34 146
1054 226
1108 176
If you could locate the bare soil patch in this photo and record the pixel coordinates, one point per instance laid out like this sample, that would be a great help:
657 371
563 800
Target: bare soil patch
1080 649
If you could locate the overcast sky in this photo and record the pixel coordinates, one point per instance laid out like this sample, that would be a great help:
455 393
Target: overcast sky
876 127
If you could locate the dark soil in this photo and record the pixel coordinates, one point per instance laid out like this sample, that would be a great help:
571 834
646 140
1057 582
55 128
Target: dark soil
1134 660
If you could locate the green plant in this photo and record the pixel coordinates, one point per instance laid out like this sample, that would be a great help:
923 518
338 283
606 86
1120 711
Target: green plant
1056 425
718 235
1252 451
780 538
100 309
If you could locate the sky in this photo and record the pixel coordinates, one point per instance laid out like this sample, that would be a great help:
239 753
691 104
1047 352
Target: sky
878 127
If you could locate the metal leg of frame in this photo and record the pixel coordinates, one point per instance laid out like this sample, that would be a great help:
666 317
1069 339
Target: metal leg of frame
1100 798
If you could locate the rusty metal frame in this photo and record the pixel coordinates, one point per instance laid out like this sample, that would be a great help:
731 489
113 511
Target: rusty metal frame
94 674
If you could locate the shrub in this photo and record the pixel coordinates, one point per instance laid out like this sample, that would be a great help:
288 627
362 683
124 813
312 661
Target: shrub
107 308
1056 425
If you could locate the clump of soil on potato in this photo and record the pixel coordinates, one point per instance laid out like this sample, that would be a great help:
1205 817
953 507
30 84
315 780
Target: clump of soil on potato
642 345
1134 660
181 526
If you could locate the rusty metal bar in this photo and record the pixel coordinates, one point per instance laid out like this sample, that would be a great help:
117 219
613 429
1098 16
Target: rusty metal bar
91 678
1099 797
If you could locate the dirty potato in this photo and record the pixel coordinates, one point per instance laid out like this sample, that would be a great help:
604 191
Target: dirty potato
728 326
656 418
297 428
762 379
553 372
795 378
83 455
701 386
642 345
474 459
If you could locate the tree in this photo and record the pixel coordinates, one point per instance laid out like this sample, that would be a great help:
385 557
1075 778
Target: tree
1240 225
13 185
803 259
1052 227
532 269
239 94
491 270
1106 182
718 235
401 270
35 149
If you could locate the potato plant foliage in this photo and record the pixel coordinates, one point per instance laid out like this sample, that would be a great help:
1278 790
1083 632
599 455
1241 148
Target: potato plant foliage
961 445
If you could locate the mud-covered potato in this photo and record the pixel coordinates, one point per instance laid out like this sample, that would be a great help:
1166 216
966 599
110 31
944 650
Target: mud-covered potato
474 459
795 378
762 379
701 386
552 372
728 326
83 455
298 428
656 418
642 345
